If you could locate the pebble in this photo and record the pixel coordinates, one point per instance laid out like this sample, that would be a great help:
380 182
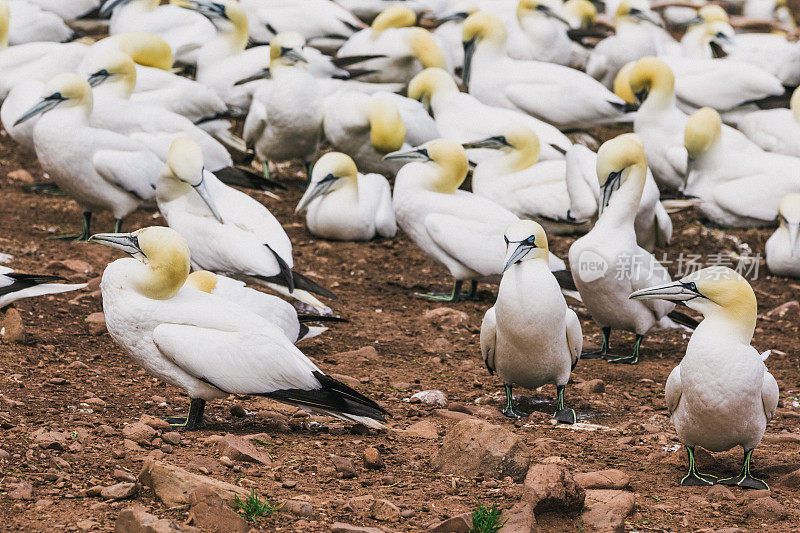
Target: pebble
373 459
344 466
429 397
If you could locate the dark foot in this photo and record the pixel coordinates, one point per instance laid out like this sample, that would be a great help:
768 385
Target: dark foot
183 422
566 416
744 481
625 359
695 479
510 412
598 354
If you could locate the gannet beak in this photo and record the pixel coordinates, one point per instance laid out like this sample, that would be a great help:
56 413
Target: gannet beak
110 5
127 242
674 292
45 104
516 253
611 185
644 17
460 15
794 232
497 142
692 21
293 54
641 96
319 189
207 9
263 74
469 51
550 13
98 78
202 190
416 154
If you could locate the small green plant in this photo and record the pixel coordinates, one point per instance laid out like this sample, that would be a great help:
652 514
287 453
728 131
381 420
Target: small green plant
252 508
486 519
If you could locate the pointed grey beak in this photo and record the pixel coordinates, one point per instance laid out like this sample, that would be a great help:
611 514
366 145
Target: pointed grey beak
550 13
126 242
98 78
460 15
110 5
644 17
209 10
318 189
516 254
202 190
675 292
496 143
263 74
611 185
42 107
415 154
293 55
469 51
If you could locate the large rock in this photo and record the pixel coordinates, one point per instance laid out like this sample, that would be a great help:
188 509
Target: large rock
766 509
447 317
210 513
423 430
475 447
137 520
603 479
606 510
551 487
120 491
174 485
339 527
240 449
139 433
519 519
457 524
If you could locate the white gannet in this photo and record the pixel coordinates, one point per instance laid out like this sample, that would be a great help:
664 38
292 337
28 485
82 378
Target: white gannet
460 230
367 127
463 118
775 130
721 395
344 205
30 23
770 10
285 117
69 11
608 264
557 94
204 344
228 231
278 311
530 337
99 169
16 286
539 33
783 246
740 186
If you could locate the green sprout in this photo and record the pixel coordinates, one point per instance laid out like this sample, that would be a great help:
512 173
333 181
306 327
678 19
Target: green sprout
486 519
252 508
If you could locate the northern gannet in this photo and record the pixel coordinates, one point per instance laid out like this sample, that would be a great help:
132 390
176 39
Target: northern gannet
607 262
557 94
344 205
539 33
228 231
15 286
463 118
204 344
740 186
530 337
99 169
775 130
30 23
69 11
721 395
783 246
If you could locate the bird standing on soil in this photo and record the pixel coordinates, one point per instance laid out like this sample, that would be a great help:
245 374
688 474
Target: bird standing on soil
206 345
15 286
783 247
721 395
530 337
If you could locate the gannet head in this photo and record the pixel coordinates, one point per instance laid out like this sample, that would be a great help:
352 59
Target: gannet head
424 48
721 33
651 76
146 49
579 13
702 131
429 82
446 156
63 91
525 240
615 161
164 258
228 16
635 11
185 164
622 83
789 219
330 172
713 13
516 138
202 280
286 49
481 27
716 291
387 132
114 69
540 8
395 16
5 20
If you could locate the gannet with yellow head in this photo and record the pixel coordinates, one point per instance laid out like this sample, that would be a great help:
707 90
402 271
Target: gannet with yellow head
539 32
721 395
345 205
608 264
529 340
783 246
204 344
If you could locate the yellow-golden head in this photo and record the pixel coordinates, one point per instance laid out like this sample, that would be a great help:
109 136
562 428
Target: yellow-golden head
518 140
579 13
387 132
113 69
66 90
446 156
286 49
185 169
540 8
702 131
651 76
331 171
396 16
429 82
622 83
146 49
618 160
203 281
5 22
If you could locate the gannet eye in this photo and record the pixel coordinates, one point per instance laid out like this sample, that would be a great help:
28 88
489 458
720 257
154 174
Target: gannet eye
502 139
424 151
531 239
635 11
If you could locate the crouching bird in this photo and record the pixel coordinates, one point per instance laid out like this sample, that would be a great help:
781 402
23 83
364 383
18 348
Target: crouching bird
721 395
205 344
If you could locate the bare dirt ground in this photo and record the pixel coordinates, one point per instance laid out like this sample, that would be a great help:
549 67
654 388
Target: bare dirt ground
45 383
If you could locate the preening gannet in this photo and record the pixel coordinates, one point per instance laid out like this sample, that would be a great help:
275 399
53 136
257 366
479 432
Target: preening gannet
30 23
775 130
607 264
783 246
207 345
721 395
278 311
344 205
463 118
99 169
539 33
530 337
557 94
740 186
15 286
228 231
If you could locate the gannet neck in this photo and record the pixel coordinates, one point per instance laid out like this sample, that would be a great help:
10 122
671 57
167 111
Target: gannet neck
232 38
702 133
432 84
164 273
624 204
621 172
425 49
393 17
730 310
794 104
5 20
387 131
652 77
146 49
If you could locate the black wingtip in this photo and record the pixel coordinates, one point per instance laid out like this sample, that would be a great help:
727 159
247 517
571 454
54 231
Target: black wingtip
286 272
307 284
320 318
240 177
346 61
565 280
683 319
24 281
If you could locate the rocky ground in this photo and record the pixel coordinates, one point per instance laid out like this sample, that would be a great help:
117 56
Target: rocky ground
82 447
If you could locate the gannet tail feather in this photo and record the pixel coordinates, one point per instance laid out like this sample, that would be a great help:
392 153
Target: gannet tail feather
320 318
246 179
342 62
307 332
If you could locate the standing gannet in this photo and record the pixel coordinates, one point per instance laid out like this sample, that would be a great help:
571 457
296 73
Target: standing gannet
554 93
30 23
463 118
530 337
721 395
607 262
285 117
367 127
775 130
227 230
344 205
783 246
15 286
204 344
278 311
740 186
101 170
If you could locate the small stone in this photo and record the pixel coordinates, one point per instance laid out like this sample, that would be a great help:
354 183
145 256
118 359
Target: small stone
21 176
344 466
792 306
385 511
298 508
240 449
593 386
457 524
86 525
603 479
159 424
68 266
139 433
120 491
78 365
173 485
172 437
408 513
122 475
720 492
137 520
210 513
429 397
447 318
23 491
767 509
50 440
4 455
423 430
95 402
347 380
238 410
373 459
11 327
60 463
106 430
340 527
96 323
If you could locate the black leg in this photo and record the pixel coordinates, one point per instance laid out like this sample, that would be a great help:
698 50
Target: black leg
117 225
562 414
603 351
744 479
453 297
85 233
509 411
695 478
473 290
194 420
631 359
